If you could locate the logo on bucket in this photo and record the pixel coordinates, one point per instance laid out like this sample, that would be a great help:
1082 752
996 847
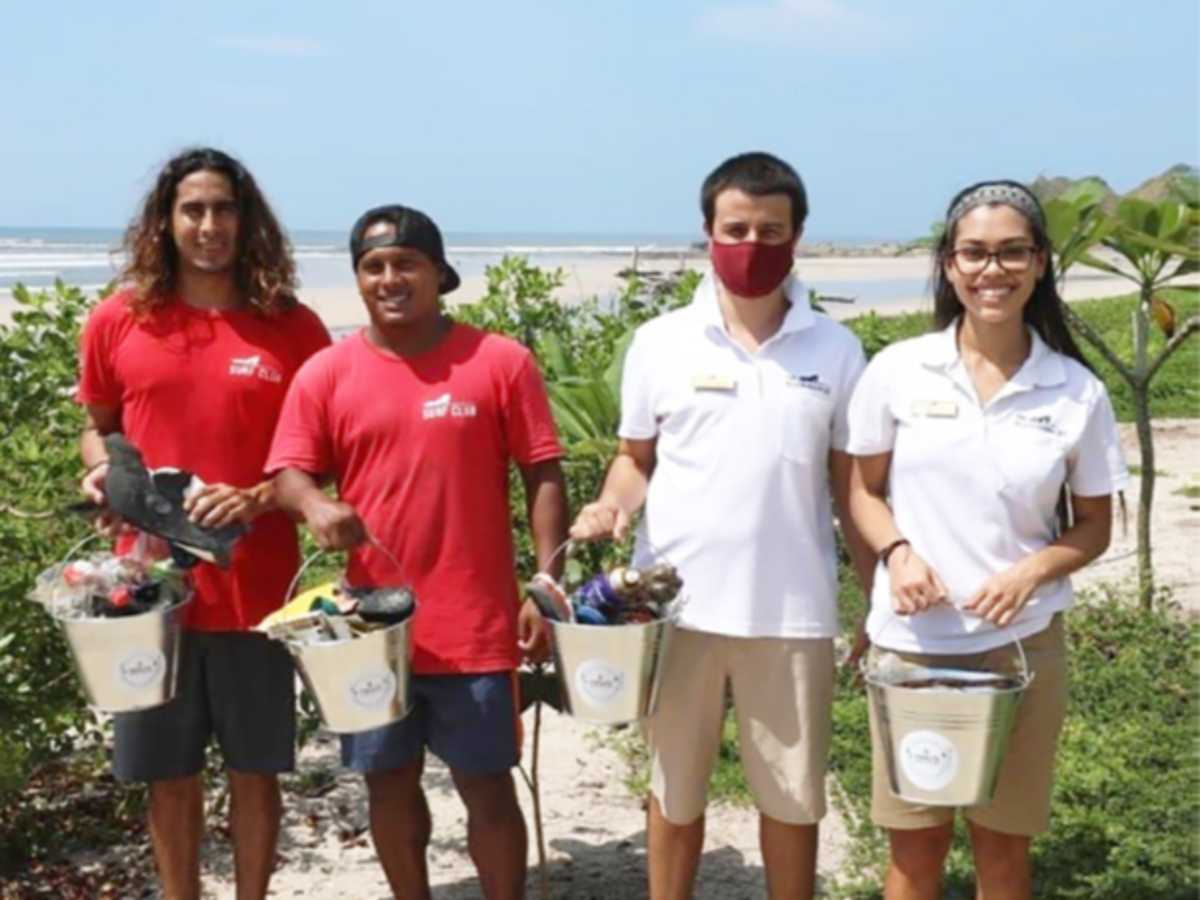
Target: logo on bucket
928 760
142 668
599 681
373 689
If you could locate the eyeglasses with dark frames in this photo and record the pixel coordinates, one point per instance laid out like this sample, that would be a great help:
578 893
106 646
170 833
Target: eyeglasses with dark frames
1014 258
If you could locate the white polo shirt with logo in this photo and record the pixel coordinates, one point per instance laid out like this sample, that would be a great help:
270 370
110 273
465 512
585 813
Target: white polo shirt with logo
975 488
739 498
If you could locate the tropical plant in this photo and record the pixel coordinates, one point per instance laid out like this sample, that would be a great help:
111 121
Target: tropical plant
1153 245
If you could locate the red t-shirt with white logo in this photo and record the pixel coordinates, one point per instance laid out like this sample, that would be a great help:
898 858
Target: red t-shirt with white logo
420 447
200 390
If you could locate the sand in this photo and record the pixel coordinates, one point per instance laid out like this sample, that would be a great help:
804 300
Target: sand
342 308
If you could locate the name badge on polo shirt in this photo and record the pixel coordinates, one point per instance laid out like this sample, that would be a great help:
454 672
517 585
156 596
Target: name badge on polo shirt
714 383
935 409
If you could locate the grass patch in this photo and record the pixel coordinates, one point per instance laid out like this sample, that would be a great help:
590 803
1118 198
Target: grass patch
1191 491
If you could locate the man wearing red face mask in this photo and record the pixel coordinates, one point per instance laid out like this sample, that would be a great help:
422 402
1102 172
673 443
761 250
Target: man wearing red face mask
733 434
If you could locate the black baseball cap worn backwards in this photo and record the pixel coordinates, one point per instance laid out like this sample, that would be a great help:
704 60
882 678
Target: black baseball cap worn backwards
410 228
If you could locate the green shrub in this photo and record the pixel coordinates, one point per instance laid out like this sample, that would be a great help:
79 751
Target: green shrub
1126 803
41 706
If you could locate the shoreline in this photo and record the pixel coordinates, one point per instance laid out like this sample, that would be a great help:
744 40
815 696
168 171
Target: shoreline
879 281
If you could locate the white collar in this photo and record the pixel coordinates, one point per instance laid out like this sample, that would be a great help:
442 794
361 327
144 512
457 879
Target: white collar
706 305
1042 368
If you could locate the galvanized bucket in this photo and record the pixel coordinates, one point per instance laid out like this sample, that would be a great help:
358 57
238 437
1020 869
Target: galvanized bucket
361 683
609 674
944 731
129 663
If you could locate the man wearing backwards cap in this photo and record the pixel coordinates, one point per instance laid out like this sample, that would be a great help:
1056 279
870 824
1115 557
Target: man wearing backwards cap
416 419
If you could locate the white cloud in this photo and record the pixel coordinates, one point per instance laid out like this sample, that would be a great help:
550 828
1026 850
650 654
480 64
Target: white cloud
272 45
817 24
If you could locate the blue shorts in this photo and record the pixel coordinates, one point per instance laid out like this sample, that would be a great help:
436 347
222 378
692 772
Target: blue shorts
470 722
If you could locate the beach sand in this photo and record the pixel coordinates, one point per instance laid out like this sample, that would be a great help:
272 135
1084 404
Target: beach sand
341 307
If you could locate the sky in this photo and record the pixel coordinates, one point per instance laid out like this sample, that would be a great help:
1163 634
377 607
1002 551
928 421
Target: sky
565 116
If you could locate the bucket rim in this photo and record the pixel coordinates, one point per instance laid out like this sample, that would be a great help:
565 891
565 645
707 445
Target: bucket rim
111 621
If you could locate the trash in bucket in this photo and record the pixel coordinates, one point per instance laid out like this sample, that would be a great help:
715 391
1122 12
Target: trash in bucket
122 618
944 730
610 639
352 647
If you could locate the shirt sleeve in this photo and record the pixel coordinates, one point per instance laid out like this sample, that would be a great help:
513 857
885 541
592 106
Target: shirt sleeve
302 435
528 422
99 384
851 372
637 401
1096 462
872 426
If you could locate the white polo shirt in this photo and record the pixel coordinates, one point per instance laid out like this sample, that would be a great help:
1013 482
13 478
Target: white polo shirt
739 499
974 488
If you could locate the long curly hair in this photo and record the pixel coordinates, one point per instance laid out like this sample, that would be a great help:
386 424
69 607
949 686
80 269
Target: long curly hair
263 266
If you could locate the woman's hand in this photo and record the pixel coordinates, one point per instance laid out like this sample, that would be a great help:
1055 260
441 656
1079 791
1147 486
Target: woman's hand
1002 596
217 505
532 633
915 586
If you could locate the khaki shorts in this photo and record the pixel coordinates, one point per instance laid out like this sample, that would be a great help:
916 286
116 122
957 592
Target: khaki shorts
782 694
1021 804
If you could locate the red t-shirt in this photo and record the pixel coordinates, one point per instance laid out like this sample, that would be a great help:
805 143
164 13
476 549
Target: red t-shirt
420 447
201 390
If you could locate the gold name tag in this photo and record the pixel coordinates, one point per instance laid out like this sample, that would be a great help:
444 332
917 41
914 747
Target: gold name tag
713 383
935 409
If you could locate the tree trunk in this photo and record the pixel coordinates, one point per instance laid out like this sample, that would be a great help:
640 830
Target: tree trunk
1141 408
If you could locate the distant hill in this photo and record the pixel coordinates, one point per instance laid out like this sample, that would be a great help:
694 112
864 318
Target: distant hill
1180 181
1177 182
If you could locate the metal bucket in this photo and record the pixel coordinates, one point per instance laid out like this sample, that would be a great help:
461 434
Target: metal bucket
944 731
610 674
361 683
128 663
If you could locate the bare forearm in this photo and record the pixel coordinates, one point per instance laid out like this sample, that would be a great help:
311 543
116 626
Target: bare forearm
293 491
546 507
626 484
861 557
1074 549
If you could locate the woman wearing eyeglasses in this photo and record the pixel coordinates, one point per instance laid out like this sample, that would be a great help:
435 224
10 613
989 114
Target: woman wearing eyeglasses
986 455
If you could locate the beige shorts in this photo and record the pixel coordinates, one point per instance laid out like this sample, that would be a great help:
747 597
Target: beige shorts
782 695
1021 804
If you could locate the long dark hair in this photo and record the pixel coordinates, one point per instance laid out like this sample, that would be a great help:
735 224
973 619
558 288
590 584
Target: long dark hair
1044 311
263 267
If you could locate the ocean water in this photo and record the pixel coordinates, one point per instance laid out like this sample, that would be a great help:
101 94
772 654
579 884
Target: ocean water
90 258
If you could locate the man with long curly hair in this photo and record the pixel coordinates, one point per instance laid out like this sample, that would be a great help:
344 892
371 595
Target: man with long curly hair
190 360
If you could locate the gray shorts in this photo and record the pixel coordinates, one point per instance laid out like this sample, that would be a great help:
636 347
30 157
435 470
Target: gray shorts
236 686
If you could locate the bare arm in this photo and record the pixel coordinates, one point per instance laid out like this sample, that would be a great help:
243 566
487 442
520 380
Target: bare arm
335 525
623 493
915 585
861 557
1003 595
546 506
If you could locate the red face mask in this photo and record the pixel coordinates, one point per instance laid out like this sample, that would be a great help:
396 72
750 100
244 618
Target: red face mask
750 269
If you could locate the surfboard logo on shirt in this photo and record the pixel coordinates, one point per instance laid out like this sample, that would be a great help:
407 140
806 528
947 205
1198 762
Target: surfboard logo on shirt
809 382
1041 423
254 367
446 407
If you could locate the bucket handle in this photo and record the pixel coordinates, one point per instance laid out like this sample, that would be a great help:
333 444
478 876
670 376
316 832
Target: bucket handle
1025 676
313 557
